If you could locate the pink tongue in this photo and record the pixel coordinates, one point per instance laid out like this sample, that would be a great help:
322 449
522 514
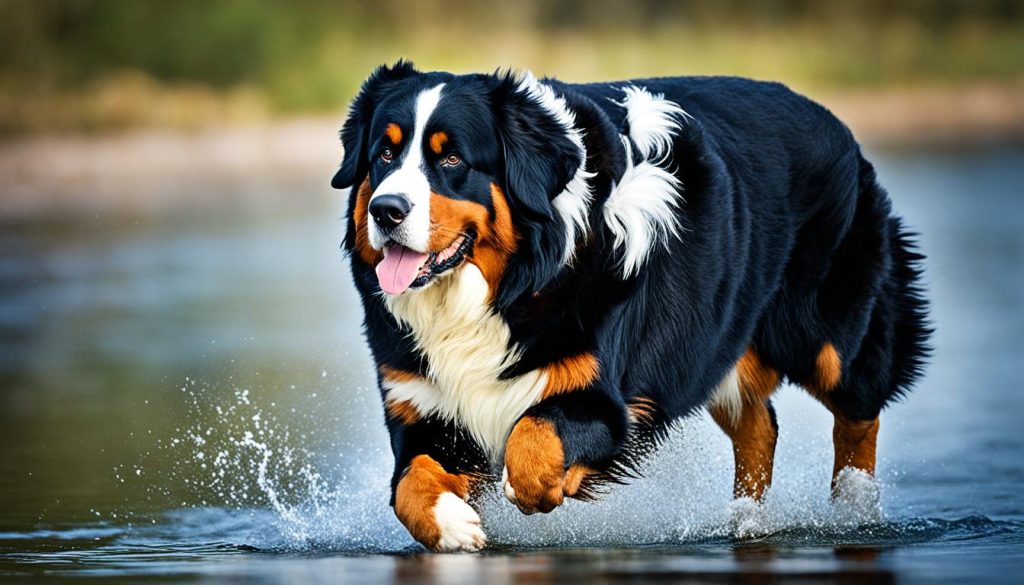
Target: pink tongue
399 268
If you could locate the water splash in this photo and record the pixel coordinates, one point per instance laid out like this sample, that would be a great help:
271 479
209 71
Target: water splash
306 476
858 498
686 496
311 491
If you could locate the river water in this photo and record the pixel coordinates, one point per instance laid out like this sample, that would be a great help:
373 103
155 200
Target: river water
186 397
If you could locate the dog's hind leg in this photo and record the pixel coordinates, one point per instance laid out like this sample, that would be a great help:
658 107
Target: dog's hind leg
753 437
873 328
855 424
748 418
854 429
854 442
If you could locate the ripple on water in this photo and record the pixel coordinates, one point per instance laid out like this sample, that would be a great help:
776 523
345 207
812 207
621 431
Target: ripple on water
205 535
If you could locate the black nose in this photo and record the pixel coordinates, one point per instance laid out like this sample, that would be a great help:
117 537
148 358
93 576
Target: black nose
389 210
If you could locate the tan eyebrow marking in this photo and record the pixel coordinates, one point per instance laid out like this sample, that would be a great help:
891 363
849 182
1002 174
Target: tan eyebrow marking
394 133
437 140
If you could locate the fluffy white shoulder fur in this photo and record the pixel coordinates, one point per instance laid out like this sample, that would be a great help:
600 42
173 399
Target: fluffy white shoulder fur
643 209
653 121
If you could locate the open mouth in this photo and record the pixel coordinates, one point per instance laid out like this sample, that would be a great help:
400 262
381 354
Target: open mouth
403 268
440 262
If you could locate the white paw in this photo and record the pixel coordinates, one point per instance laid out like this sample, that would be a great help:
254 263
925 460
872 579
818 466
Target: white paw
510 492
459 525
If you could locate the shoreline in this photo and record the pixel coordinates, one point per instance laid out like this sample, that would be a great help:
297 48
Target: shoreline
975 115
151 171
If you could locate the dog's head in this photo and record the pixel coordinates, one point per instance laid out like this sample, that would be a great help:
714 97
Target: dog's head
447 170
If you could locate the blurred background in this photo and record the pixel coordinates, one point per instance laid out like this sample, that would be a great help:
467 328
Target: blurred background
177 327
96 65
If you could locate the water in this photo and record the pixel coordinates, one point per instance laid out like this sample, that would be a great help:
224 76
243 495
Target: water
185 397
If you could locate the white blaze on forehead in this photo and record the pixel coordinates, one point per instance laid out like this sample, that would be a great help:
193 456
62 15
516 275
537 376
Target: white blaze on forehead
410 180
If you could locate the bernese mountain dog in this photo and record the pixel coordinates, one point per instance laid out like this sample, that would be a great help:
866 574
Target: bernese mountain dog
553 273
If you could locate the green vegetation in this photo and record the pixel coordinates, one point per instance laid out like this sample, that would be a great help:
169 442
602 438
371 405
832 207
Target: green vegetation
96 64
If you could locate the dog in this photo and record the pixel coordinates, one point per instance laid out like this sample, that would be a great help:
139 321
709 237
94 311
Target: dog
553 273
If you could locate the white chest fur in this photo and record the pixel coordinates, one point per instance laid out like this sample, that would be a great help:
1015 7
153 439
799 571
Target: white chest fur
467 348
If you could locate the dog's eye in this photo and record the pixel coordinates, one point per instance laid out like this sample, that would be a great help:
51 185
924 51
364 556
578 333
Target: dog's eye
386 155
452 160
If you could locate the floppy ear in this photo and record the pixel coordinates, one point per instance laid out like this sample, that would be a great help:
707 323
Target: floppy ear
543 154
540 154
354 132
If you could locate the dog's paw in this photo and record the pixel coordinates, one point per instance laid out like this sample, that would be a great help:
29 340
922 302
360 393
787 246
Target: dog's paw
534 477
430 502
458 525
534 466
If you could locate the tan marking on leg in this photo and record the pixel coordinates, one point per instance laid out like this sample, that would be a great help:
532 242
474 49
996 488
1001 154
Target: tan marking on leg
752 433
437 140
535 462
757 381
362 244
753 446
828 370
855 442
417 493
402 410
395 375
574 478
394 133
571 373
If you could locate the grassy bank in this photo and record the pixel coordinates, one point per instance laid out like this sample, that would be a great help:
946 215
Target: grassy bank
96 65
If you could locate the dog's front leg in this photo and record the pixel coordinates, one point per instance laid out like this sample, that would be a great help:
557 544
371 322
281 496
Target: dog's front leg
557 443
435 471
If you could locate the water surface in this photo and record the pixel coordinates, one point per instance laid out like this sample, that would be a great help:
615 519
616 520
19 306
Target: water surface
186 397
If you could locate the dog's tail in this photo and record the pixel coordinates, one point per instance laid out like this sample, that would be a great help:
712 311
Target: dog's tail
911 328
904 294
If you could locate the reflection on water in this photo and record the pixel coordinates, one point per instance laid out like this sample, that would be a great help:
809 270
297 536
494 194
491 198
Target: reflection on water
191 543
193 397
